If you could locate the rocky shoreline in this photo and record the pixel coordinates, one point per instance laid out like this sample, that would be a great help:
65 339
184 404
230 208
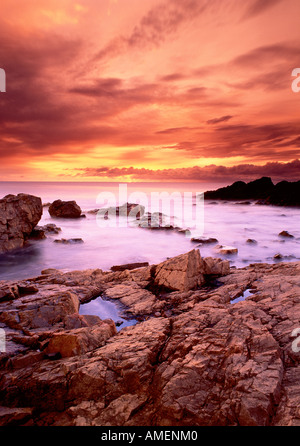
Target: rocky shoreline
194 357
262 191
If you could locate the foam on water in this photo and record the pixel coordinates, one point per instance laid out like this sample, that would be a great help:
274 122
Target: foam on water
230 223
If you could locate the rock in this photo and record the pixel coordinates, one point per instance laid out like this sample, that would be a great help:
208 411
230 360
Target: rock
247 203
14 416
215 267
50 228
64 209
251 241
278 257
81 340
129 266
193 360
204 240
37 234
138 300
19 214
126 210
181 273
227 250
70 241
285 234
258 189
283 193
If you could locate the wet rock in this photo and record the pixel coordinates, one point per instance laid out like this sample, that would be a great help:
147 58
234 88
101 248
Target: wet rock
129 266
19 214
126 210
49 228
251 241
278 256
285 234
64 209
70 241
138 300
37 234
204 240
226 250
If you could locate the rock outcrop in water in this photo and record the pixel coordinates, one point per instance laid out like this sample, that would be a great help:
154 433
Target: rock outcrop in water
19 214
193 359
283 193
64 209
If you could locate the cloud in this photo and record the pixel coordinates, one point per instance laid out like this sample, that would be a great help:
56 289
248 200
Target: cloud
219 120
259 7
278 171
268 55
160 22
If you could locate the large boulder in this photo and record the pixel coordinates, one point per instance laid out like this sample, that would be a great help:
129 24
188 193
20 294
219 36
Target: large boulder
181 273
64 209
19 214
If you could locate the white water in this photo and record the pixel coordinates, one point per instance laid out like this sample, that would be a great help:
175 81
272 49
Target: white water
104 247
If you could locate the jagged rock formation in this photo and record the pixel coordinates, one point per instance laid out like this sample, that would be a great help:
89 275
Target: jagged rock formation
193 359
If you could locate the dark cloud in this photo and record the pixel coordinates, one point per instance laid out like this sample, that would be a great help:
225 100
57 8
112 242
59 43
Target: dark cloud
260 6
268 55
156 25
173 130
276 170
219 120
173 77
278 79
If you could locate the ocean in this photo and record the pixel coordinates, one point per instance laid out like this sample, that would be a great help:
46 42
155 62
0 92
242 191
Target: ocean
106 243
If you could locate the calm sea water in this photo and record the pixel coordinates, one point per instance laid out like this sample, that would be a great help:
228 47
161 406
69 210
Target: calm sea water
103 247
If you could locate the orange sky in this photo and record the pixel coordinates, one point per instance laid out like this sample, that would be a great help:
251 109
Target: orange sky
151 90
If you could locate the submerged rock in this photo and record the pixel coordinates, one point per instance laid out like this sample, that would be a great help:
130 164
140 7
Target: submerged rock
19 214
49 228
70 241
251 241
285 234
204 240
226 249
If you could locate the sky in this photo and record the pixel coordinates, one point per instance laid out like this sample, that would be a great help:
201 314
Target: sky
151 90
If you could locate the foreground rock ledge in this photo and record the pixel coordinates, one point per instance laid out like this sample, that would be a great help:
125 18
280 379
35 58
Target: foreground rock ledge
194 359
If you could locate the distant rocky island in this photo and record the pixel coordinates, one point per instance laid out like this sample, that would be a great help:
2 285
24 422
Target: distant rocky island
263 190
